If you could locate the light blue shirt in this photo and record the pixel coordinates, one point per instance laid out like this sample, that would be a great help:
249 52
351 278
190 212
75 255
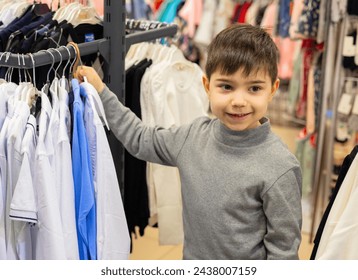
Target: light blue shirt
83 181
169 12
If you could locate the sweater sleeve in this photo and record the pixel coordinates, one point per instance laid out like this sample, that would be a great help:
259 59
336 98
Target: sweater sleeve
283 210
153 144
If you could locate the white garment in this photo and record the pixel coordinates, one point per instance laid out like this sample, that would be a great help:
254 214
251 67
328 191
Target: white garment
3 181
339 240
15 134
64 176
12 11
338 10
23 205
252 12
204 34
6 90
223 13
171 95
113 241
322 22
50 243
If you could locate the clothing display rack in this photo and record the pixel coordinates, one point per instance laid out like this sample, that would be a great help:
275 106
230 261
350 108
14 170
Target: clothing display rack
112 47
148 31
331 90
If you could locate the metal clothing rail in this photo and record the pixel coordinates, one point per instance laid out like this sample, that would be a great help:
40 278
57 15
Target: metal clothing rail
24 61
148 31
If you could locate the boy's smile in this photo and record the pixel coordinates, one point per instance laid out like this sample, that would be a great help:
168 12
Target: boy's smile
240 101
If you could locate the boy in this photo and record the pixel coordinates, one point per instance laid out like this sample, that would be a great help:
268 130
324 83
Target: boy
241 187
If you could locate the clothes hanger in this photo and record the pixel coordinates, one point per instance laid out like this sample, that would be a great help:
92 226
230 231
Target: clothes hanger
8 74
59 11
75 61
71 11
29 91
59 64
64 81
45 88
68 61
2 80
35 97
86 15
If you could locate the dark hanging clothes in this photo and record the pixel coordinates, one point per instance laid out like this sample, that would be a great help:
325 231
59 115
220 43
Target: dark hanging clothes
86 32
15 25
136 204
15 39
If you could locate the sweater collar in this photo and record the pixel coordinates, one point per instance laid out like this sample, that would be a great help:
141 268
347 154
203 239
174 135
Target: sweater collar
245 138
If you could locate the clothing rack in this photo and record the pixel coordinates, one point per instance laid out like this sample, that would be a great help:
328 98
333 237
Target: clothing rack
148 31
328 115
113 48
24 61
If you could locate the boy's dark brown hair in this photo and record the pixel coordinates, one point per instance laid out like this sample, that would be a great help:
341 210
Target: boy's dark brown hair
242 46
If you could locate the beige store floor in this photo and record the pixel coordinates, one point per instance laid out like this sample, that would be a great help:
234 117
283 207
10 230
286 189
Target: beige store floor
147 247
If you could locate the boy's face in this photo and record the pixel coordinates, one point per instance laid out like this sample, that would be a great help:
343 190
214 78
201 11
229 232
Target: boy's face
239 101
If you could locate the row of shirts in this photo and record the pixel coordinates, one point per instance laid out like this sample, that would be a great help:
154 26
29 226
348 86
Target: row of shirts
59 196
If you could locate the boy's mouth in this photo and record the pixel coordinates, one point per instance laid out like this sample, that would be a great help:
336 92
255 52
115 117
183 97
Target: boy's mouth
239 115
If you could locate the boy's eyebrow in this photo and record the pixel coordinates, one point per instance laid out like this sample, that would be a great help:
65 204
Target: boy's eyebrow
256 82
248 82
223 80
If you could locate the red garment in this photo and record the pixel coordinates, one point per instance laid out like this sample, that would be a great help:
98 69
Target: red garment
156 4
243 11
236 14
308 48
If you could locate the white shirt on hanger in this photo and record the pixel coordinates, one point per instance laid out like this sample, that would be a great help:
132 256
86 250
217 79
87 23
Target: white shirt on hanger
23 210
3 168
113 240
6 90
64 176
50 243
15 134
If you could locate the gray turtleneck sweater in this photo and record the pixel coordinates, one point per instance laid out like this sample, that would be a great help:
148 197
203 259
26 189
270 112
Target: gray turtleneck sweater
241 190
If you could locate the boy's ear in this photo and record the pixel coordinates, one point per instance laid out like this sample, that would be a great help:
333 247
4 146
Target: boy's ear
274 88
206 83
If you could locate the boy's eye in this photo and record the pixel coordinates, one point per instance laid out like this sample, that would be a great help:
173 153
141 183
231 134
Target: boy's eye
255 88
225 87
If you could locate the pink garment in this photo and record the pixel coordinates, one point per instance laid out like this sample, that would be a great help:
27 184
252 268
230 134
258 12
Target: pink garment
98 4
191 13
287 48
270 17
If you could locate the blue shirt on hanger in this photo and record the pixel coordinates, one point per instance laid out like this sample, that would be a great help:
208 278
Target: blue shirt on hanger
83 181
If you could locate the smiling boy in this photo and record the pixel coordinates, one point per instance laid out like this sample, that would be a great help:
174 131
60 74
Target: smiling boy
241 187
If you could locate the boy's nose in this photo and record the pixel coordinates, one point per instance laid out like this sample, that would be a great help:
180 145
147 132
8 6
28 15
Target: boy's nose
238 100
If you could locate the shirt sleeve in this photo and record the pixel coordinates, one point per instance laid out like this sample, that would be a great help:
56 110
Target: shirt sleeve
283 210
153 144
23 204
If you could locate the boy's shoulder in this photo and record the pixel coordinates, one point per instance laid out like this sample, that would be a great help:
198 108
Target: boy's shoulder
280 155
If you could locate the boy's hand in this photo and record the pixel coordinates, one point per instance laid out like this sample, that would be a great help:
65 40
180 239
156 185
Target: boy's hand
91 75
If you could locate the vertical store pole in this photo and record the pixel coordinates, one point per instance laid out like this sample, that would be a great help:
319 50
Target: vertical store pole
114 31
326 86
